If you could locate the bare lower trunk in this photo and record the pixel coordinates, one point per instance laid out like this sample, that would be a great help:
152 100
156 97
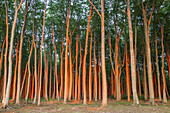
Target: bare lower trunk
29 72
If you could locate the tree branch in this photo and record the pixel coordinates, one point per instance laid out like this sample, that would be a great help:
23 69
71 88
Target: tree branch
95 8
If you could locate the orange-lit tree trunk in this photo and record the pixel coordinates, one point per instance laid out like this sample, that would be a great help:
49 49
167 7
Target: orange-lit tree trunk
84 59
20 56
99 80
6 52
6 101
23 81
148 51
139 83
95 72
15 74
29 72
35 67
79 79
61 70
132 56
90 71
66 59
50 71
42 40
104 80
1 58
127 69
163 75
71 67
55 70
157 66
76 76
45 74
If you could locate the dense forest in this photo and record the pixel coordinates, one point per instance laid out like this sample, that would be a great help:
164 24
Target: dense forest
89 50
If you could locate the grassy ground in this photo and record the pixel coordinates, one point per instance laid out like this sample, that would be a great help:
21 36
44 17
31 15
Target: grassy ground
94 107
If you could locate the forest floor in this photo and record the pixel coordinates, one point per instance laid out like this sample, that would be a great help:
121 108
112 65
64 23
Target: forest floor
95 107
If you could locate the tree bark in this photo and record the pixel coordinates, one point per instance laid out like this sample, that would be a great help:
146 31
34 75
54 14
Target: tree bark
157 65
42 40
132 56
66 60
6 101
20 56
104 80
164 78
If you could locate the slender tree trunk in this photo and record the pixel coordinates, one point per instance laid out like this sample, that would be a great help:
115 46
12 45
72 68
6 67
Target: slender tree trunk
71 73
79 79
1 59
127 69
29 72
23 81
157 65
35 68
95 72
66 59
42 40
76 77
104 80
148 53
138 73
45 74
15 74
164 78
61 71
90 71
132 56
6 56
99 80
50 70
84 59
20 56
6 101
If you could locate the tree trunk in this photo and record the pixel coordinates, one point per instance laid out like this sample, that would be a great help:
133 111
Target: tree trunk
42 40
29 72
99 80
20 56
148 54
6 101
104 80
6 56
61 71
132 56
66 60
76 77
50 70
127 69
84 60
79 79
35 68
90 71
15 74
164 78
95 73
157 65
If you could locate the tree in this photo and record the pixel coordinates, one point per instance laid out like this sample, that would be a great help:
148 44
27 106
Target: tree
6 101
132 56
